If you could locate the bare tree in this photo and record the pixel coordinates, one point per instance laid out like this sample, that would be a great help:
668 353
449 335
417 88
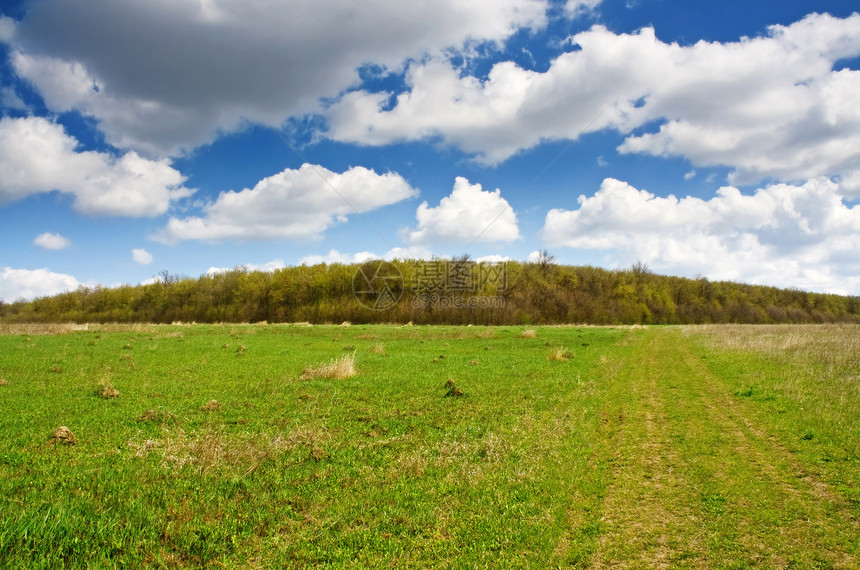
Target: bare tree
544 260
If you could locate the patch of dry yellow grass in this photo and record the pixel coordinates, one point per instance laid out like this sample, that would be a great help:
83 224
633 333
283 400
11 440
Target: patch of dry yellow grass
107 391
561 354
214 450
530 333
339 368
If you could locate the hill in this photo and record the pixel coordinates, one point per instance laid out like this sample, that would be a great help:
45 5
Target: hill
435 292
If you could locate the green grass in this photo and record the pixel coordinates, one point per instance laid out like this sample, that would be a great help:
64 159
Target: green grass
693 447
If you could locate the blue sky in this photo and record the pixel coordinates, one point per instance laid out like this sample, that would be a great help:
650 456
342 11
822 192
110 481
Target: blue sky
717 139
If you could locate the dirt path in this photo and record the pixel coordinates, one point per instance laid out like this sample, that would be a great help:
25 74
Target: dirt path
695 482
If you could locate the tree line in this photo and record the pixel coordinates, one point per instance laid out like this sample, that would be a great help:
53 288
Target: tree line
456 291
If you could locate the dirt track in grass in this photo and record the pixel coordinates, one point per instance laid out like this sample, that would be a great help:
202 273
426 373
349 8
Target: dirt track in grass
696 482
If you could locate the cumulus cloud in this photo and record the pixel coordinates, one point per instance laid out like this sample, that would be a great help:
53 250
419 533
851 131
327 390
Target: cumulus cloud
38 156
164 76
51 241
803 236
771 106
294 204
141 256
27 284
468 215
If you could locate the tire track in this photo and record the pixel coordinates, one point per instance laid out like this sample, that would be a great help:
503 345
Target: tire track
646 508
696 483
785 515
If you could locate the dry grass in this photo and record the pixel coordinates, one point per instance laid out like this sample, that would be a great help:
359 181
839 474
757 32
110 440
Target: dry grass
211 406
156 416
35 329
378 348
214 450
560 354
4 382
453 389
107 391
63 435
530 333
41 329
339 368
838 346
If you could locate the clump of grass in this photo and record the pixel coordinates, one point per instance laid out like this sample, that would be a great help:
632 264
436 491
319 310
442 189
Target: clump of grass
530 333
4 382
107 391
318 454
56 369
378 348
156 416
346 324
211 406
454 391
561 354
474 362
241 350
339 368
64 436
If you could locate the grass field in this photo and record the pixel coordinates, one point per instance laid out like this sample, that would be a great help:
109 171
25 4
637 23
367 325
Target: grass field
417 447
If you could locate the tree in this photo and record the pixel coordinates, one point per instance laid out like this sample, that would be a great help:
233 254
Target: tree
544 259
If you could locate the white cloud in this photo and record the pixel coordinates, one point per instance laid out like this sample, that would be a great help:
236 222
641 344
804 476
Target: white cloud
294 204
770 106
51 241
334 256
850 184
468 215
689 175
494 258
165 76
411 252
37 156
269 267
783 235
28 284
576 8
141 256
7 29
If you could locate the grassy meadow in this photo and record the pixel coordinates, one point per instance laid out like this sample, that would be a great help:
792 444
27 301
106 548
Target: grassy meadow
258 446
